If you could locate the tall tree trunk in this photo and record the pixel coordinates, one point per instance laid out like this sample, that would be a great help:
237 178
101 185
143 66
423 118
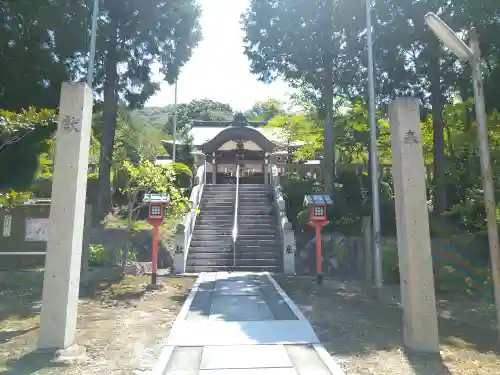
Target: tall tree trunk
110 108
440 204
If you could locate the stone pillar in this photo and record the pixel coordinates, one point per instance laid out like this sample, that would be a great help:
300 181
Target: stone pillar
289 249
179 252
414 247
67 213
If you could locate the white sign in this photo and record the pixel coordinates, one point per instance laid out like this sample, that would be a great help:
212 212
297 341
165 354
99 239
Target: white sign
7 224
37 230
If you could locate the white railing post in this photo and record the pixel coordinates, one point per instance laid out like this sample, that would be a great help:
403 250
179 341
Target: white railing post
185 230
285 227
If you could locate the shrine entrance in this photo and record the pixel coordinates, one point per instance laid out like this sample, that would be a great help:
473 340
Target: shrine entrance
249 173
238 145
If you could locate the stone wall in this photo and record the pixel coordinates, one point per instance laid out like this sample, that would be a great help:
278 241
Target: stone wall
455 260
114 241
13 236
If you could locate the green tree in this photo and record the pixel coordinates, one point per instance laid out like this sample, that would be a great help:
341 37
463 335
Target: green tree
133 35
23 138
147 177
265 110
205 109
43 44
311 45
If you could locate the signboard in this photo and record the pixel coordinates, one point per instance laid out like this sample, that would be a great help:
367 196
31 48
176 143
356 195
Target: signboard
37 230
7 224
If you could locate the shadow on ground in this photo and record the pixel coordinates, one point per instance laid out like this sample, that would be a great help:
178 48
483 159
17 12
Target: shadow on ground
103 307
350 323
29 364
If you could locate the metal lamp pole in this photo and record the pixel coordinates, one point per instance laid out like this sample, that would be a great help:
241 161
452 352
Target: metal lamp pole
175 122
373 153
93 37
473 55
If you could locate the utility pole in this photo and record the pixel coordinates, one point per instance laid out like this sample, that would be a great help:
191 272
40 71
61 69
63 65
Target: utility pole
175 122
93 37
377 257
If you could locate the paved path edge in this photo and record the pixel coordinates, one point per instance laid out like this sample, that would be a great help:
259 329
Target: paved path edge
327 359
167 350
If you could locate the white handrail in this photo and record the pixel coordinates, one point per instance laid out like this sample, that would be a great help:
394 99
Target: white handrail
235 222
195 199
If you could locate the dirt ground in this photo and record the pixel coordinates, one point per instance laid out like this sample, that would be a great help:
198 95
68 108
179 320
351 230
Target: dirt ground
122 326
365 335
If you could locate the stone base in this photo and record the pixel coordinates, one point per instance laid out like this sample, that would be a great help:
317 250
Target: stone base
71 356
155 287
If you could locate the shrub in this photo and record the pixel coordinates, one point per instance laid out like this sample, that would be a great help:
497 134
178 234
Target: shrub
183 175
98 255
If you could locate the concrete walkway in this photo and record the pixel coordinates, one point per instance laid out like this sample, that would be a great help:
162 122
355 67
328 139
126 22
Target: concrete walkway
242 324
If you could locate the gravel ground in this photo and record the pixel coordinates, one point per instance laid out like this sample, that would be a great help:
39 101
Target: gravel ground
122 326
365 336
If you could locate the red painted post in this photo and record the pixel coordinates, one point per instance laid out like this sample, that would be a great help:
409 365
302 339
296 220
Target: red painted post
319 256
155 252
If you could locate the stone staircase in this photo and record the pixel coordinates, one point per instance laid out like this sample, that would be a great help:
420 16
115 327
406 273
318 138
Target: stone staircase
258 247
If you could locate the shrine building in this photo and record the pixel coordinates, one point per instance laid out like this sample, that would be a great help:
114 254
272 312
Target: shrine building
224 145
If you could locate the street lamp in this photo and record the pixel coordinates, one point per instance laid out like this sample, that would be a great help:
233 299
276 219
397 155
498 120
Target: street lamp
473 55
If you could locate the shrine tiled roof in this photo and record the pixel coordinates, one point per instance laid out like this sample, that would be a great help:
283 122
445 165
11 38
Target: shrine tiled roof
202 132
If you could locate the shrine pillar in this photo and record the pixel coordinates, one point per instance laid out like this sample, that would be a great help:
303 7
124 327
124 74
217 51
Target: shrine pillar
214 169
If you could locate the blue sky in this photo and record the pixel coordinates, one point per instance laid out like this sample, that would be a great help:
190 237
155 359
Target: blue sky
218 69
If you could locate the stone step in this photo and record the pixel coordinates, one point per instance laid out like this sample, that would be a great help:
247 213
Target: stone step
218 199
199 248
244 231
229 262
239 255
210 250
200 269
217 211
255 211
273 245
211 223
218 243
210 237
257 203
247 222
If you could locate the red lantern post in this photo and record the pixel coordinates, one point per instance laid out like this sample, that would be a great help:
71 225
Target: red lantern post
317 219
156 215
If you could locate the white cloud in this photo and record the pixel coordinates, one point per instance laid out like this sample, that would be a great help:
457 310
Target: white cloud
218 69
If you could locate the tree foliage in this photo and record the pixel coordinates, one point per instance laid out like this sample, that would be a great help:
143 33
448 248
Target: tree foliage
42 43
265 110
23 137
133 35
205 110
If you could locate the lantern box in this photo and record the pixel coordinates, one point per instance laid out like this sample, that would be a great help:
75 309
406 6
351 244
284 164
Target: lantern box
318 205
156 203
